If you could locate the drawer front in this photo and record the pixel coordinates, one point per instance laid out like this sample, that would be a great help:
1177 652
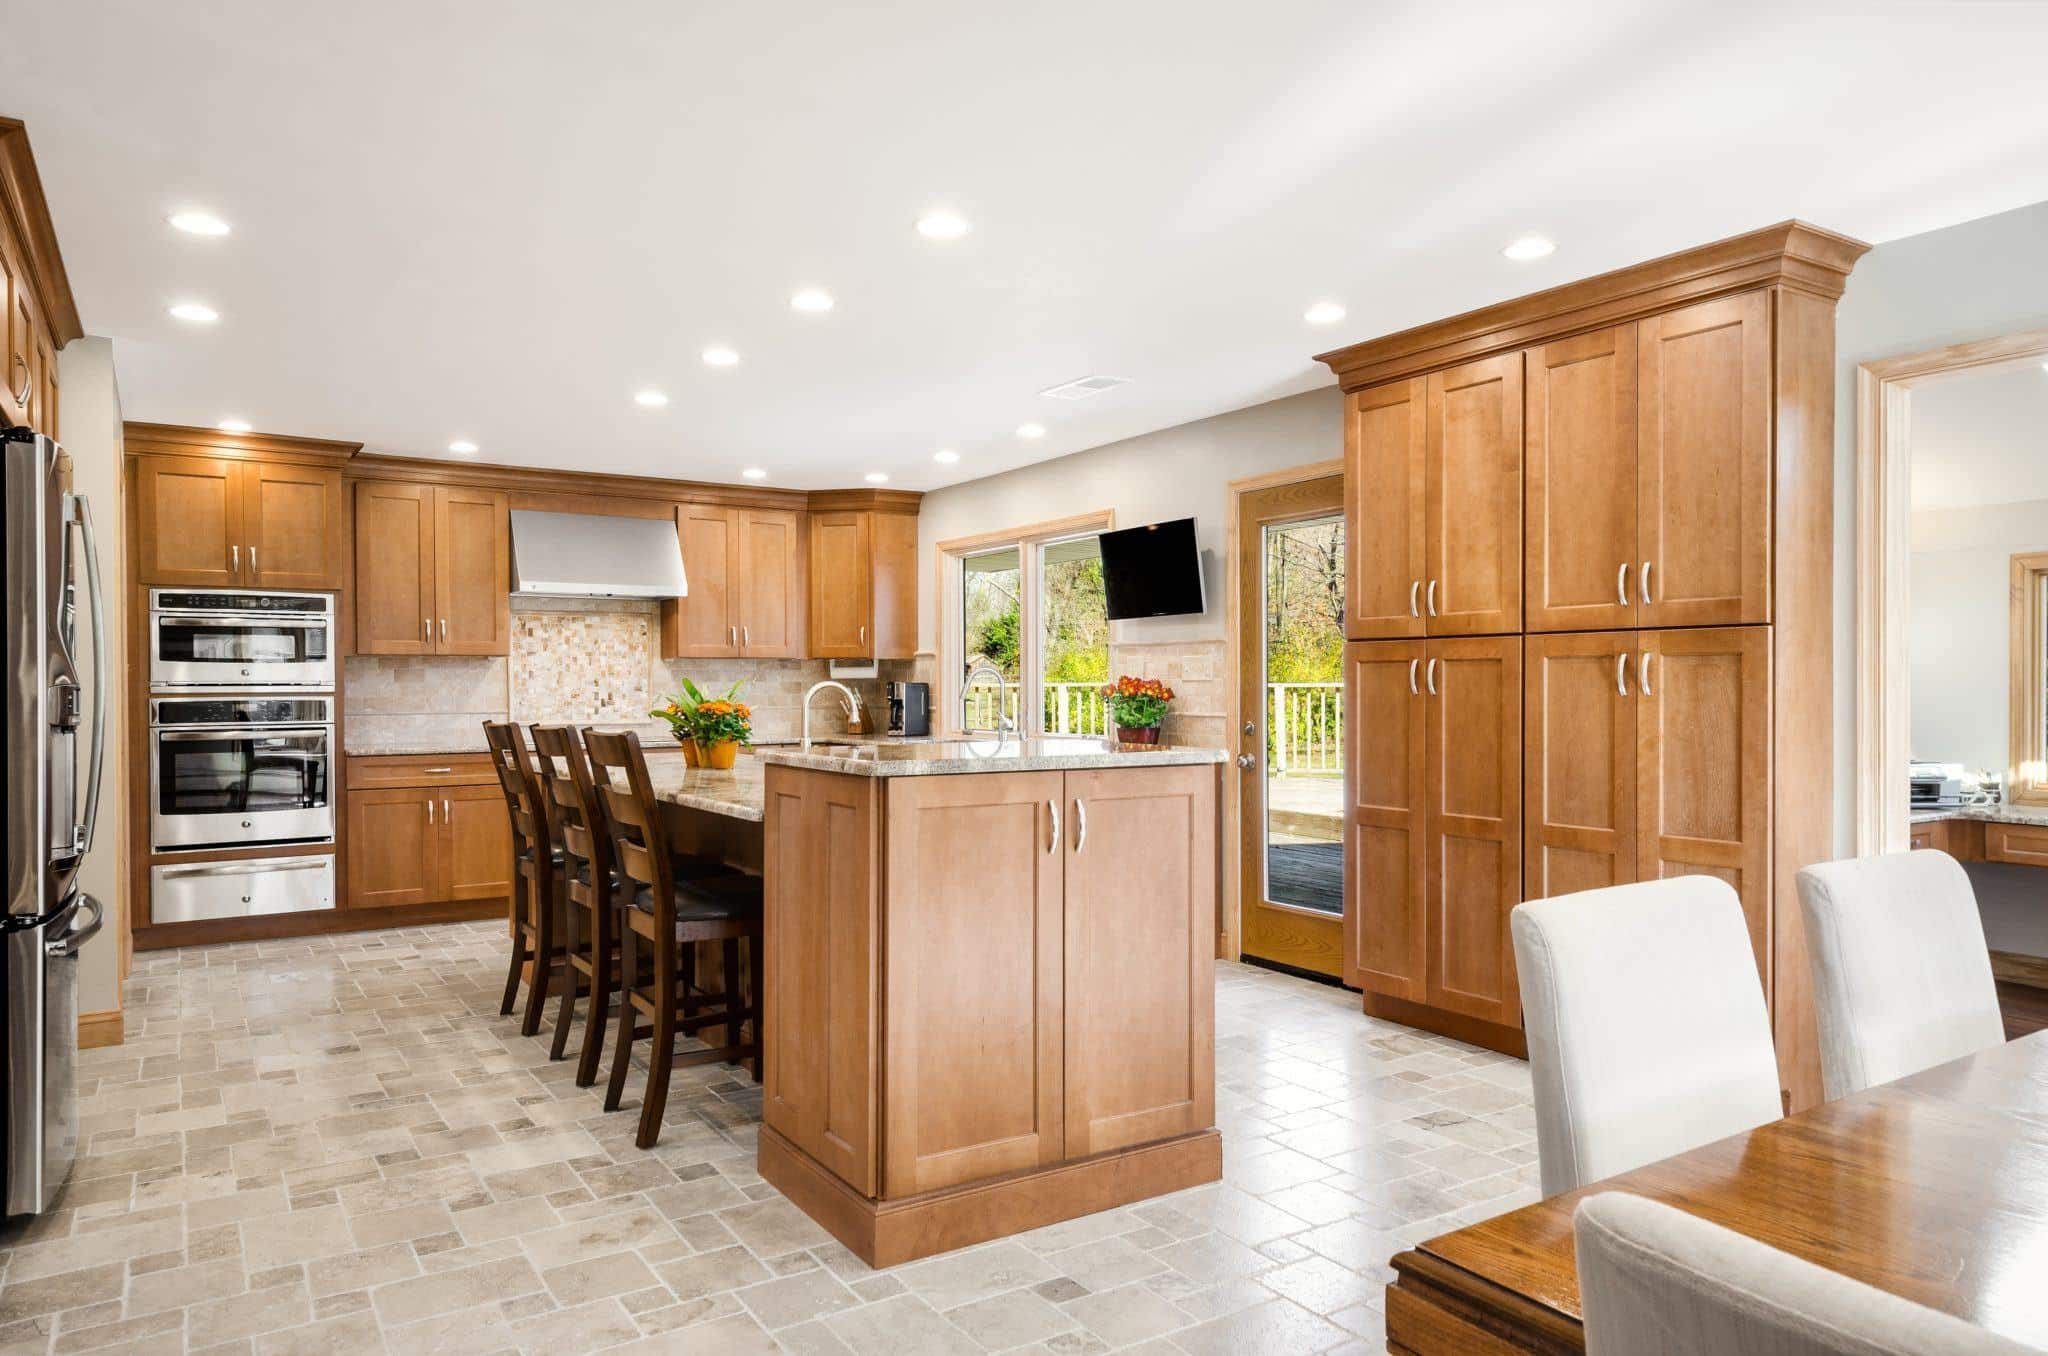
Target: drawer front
265 885
2020 844
449 769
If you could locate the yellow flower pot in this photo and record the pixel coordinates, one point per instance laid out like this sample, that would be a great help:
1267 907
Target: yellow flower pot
721 755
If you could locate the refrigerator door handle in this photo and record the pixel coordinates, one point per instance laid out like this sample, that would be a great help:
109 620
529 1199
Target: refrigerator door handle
81 514
76 937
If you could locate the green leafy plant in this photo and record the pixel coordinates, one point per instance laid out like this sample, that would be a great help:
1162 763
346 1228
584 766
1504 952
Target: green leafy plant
1137 703
721 721
681 711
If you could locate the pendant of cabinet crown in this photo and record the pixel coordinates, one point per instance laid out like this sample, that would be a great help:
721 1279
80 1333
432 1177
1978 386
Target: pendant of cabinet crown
222 522
863 584
433 569
745 568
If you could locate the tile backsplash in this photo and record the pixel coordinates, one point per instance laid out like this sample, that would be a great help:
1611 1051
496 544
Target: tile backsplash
583 660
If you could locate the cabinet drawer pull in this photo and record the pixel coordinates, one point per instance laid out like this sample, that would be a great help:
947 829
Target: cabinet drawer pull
1415 598
1432 597
1413 690
438 771
1621 673
1621 584
1054 806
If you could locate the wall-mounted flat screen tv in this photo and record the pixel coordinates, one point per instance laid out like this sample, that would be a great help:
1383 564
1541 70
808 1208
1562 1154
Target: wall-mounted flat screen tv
1153 571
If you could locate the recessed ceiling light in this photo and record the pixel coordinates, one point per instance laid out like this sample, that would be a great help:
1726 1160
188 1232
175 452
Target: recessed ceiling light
233 426
942 225
720 357
198 223
812 299
2044 367
1323 313
1529 247
754 473
653 400
462 447
945 456
194 312
876 477
1030 430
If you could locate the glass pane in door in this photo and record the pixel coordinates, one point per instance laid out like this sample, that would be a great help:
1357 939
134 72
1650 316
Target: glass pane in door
1304 713
991 633
1073 652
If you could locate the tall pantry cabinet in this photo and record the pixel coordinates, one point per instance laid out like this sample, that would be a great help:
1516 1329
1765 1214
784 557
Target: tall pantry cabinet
1589 615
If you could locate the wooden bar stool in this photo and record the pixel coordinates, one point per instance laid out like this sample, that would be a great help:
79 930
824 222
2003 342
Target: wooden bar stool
670 917
590 921
536 863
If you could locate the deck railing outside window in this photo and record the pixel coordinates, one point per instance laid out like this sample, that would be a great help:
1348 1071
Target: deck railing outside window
1304 727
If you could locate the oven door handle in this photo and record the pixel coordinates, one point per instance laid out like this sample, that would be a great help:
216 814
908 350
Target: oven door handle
216 732
276 864
240 619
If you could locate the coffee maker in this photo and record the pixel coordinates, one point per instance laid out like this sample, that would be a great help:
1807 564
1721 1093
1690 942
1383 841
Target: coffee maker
910 710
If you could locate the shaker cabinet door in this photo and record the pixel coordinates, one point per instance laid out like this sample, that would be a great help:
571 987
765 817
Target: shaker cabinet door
842 585
1581 461
291 518
1472 582
1384 456
189 521
1384 841
702 625
394 600
472 571
769 586
1579 762
393 846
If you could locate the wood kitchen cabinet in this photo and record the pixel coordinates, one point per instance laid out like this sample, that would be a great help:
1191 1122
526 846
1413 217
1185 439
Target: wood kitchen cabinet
223 522
438 835
37 317
863 584
1433 477
1434 829
745 568
433 569
1647 756
1581 460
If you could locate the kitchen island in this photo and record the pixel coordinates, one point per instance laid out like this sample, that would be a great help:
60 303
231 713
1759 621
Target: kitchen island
990 984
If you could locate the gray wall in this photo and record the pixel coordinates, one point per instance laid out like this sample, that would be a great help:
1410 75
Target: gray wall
92 435
1959 652
1174 473
1979 280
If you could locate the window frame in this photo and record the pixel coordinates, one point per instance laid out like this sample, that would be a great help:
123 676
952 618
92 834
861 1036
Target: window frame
1029 541
2026 775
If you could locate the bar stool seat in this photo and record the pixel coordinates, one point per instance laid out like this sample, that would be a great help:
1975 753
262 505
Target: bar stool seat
710 899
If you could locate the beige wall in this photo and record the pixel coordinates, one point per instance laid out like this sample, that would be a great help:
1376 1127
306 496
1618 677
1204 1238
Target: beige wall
92 435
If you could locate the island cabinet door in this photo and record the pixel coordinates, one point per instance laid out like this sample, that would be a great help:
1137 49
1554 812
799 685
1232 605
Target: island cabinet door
971 1071
821 871
1141 924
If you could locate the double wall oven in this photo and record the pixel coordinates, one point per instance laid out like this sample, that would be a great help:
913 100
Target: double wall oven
242 753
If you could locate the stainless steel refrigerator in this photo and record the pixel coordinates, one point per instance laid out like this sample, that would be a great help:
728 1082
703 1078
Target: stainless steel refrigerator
49 821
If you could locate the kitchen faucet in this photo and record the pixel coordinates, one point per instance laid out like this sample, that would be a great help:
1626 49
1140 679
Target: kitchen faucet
1003 721
852 697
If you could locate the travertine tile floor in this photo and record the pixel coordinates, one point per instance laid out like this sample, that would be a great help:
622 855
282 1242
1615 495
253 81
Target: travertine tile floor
337 1145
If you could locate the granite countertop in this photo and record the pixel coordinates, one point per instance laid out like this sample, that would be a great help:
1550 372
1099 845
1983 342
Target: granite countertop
738 794
468 737
1007 754
1990 814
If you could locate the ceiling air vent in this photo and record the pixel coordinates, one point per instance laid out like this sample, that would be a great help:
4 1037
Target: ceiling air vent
1084 387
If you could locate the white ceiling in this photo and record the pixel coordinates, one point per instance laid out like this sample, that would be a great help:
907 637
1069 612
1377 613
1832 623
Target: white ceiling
499 219
1980 437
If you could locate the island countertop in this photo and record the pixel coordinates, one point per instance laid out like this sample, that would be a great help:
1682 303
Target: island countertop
1011 753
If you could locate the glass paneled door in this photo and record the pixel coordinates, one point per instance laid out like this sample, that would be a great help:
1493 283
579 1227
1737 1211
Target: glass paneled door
1290 580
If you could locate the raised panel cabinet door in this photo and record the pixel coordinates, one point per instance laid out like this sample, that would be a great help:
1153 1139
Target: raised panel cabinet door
1140 853
291 521
1385 454
1474 826
1703 751
1581 465
1386 790
770 584
189 517
1472 583
972 940
472 571
706 623
394 840
1579 763
842 585
821 888
394 600
1704 464
475 856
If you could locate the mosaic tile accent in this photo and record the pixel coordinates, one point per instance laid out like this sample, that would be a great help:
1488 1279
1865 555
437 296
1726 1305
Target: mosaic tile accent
336 1145
581 666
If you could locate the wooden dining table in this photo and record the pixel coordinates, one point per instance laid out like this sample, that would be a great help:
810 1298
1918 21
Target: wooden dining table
1934 1188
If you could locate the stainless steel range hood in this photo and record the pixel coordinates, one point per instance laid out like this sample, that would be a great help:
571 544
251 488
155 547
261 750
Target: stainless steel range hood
596 555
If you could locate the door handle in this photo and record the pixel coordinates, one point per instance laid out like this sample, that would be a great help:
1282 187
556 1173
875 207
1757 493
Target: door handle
1644 675
1414 594
1621 583
1621 673
235 561
746 636
252 562
1080 825
1432 676
1053 805
430 814
1432 597
427 630
863 633
1246 761
1646 582
81 514
732 636
1413 664
76 937
445 817
444 630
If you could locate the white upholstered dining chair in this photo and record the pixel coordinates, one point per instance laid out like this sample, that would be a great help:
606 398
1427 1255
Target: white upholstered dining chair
1901 976
1646 1025
1656 1279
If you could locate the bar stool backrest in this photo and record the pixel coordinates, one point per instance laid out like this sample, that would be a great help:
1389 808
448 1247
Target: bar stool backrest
639 845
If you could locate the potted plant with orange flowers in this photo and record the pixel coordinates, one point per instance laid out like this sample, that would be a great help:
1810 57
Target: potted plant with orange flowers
681 715
721 726
1138 706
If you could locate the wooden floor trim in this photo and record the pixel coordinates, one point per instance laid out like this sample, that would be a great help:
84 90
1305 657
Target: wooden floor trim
314 922
96 1029
888 1233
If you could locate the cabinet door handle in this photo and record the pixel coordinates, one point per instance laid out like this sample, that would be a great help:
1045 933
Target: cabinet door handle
863 633
427 630
1413 690
1054 806
1621 584
444 629
235 561
1646 582
1431 673
1644 675
1414 598
1432 597
430 814
1621 673
28 380
444 811
1080 825
746 636
252 562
